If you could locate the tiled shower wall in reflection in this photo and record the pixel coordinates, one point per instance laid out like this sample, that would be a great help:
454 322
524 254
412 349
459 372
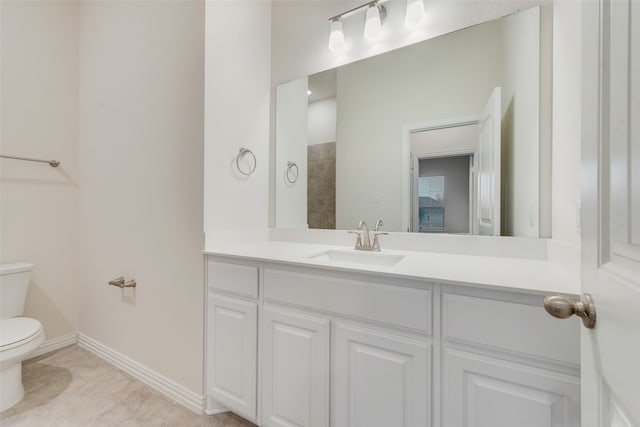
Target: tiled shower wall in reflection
321 185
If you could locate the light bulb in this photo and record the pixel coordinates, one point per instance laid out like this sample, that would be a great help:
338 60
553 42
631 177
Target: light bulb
373 23
336 36
414 16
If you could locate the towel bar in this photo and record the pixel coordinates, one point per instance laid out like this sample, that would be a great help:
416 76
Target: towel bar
52 163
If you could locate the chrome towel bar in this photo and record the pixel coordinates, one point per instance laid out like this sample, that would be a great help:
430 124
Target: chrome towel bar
122 283
52 163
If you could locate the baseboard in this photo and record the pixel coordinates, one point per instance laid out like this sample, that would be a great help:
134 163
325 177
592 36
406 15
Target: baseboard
215 411
213 407
55 344
164 385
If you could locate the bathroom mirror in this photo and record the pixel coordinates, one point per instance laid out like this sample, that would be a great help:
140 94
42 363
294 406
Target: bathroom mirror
442 136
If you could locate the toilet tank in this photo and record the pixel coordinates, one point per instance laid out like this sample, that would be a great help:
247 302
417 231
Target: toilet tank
14 282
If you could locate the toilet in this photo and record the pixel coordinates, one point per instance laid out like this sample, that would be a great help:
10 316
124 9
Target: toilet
19 336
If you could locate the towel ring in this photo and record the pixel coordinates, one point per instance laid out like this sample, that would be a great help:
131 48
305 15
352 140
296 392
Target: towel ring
290 167
241 153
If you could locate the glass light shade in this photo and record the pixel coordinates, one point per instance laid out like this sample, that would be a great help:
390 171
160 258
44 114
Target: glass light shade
414 16
373 24
336 37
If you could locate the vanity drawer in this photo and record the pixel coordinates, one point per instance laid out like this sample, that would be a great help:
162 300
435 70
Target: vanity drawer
509 326
392 305
234 278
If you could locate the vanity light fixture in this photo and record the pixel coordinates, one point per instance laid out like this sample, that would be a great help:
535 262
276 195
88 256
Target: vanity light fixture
414 15
336 36
376 13
309 92
375 17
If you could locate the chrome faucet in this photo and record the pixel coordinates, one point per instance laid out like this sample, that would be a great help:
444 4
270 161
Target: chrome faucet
363 240
376 232
364 228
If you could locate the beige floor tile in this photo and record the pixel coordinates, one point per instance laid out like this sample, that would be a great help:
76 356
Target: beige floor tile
71 387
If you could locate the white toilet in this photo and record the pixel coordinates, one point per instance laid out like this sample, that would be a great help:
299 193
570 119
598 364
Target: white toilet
19 336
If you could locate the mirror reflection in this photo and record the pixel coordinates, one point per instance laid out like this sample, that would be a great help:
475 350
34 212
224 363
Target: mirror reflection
438 137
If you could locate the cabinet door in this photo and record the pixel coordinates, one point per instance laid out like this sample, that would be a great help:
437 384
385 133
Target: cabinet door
379 380
295 370
480 391
232 353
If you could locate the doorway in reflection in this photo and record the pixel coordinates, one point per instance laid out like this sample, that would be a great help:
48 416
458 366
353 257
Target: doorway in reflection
443 196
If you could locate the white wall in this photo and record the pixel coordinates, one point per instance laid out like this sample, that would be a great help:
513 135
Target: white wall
291 132
237 93
567 61
444 140
141 87
38 204
321 121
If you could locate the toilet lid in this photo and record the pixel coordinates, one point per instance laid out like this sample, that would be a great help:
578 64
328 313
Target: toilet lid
17 329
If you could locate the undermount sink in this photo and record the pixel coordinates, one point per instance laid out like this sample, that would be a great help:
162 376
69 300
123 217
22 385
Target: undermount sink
359 257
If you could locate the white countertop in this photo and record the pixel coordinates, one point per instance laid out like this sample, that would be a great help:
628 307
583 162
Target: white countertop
487 271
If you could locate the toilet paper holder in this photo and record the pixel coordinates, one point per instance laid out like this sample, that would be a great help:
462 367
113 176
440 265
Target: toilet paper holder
121 282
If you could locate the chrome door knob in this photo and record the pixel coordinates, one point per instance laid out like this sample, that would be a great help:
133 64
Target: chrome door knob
563 307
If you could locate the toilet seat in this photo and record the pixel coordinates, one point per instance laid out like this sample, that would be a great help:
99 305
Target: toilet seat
18 331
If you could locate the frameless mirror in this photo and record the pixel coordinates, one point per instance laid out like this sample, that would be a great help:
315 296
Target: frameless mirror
437 137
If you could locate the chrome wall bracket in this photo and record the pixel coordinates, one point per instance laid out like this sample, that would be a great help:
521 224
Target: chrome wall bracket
121 282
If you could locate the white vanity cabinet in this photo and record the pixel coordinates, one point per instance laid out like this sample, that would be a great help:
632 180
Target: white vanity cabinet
232 336
379 379
505 362
380 370
291 345
295 369
492 392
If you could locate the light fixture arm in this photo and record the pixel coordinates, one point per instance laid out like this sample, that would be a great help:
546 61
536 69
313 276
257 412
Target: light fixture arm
376 15
350 12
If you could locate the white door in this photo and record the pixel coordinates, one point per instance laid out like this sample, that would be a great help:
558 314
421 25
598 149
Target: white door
611 212
488 167
295 369
232 353
379 380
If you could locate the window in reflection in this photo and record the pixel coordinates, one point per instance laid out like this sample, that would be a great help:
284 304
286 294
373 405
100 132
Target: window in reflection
431 203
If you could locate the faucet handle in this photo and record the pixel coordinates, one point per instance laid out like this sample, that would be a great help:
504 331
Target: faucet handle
379 225
376 242
358 238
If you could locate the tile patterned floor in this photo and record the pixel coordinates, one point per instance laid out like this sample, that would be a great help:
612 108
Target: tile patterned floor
71 387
